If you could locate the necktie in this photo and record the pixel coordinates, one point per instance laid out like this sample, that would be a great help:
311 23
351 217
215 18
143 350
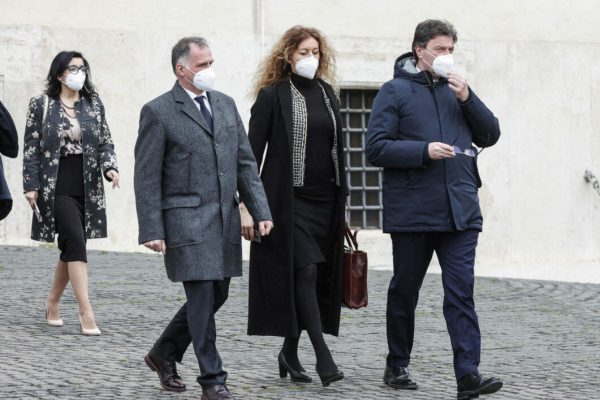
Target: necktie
204 110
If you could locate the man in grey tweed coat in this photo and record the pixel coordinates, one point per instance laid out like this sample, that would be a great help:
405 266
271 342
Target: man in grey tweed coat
192 157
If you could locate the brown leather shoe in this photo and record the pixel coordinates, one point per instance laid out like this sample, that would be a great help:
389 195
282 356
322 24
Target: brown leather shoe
167 373
217 392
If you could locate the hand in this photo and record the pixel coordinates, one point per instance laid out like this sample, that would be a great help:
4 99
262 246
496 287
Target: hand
247 223
158 246
438 151
31 198
264 227
459 86
114 177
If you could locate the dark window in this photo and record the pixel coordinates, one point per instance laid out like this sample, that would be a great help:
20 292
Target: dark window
364 180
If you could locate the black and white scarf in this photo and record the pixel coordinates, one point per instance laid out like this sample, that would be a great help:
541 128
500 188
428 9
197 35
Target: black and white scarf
299 130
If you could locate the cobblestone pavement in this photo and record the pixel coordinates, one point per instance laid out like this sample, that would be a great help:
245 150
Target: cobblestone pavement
542 338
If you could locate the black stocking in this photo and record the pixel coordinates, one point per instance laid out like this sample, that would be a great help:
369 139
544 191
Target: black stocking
308 313
290 352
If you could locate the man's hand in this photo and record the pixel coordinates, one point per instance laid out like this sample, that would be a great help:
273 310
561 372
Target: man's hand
157 245
114 177
247 223
264 227
459 86
31 197
439 150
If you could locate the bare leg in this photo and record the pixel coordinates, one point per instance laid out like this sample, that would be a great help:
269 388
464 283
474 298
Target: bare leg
79 282
59 283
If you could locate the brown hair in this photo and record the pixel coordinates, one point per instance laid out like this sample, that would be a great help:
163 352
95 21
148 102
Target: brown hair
277 65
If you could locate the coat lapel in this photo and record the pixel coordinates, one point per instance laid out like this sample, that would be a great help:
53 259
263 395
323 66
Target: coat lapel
217 111
187 106
284 93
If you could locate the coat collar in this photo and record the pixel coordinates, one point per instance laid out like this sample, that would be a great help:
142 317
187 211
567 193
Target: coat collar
187 106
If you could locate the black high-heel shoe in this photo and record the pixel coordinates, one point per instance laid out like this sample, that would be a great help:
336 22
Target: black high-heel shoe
330 377
295 376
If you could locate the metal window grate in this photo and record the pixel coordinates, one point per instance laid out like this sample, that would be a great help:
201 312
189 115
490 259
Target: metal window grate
364 180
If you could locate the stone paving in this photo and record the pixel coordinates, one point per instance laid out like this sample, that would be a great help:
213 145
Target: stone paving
542 338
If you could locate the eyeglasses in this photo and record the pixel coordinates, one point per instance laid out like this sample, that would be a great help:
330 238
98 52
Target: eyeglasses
466 152
73 69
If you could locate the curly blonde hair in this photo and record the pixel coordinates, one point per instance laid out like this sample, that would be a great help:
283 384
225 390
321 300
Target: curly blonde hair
277 65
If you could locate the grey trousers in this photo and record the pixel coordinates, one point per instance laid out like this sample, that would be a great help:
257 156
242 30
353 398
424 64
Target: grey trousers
195 323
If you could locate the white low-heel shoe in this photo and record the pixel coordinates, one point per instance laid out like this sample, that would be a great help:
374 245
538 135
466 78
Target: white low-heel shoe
52 322
88 332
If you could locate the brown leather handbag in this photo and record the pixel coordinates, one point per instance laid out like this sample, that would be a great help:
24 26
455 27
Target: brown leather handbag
355 272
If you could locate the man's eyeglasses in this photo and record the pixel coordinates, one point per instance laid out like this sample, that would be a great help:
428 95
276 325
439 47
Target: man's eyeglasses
73 69
466 152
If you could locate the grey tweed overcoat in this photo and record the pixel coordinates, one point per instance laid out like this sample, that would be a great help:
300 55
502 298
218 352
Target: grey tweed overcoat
187 177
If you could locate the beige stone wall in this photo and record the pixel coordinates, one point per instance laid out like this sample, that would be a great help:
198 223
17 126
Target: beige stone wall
533 62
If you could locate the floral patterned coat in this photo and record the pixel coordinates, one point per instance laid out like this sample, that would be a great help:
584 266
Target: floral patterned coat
41 155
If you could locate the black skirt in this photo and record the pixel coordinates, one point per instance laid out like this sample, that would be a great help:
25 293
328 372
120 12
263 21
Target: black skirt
69 218
314 233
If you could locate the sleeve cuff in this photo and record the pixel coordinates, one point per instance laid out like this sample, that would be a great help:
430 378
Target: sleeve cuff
426 158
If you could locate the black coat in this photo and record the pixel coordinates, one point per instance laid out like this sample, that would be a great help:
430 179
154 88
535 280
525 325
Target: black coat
272 309
419 194
9 146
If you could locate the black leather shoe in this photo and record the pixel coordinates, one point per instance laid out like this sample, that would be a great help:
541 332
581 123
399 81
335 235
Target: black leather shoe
295 375
398 378
217 392
329 377
167 373
472 385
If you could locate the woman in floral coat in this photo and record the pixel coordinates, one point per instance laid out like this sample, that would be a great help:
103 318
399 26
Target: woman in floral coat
67 149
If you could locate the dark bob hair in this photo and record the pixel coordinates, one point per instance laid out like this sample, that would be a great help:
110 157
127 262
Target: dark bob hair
57 68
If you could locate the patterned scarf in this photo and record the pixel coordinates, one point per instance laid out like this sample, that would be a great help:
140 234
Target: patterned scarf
299 130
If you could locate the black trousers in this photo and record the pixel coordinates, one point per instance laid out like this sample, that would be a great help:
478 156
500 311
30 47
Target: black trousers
195 323
412 255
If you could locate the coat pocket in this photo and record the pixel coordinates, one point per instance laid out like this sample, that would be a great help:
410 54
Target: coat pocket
183 221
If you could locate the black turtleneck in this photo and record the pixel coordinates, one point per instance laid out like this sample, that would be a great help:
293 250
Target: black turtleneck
319 171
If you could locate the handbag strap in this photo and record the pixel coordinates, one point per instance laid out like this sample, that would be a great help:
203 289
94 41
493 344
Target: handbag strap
351 237
45 112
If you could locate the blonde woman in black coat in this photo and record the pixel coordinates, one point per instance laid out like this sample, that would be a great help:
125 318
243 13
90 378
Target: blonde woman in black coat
295 273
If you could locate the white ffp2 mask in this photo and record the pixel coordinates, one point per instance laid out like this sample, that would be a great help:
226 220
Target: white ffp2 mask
307 67
75 81
442 64
204 79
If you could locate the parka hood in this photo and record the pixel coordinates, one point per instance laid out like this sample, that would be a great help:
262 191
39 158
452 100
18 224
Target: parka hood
405 67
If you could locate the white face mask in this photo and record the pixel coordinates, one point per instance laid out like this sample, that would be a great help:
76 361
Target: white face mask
441 64
204 79
75 81
307 67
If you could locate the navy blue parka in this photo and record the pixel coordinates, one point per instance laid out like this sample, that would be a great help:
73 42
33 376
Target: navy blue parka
421 194
9 146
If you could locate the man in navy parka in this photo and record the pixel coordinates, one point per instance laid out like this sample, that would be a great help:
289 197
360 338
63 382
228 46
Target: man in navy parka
422 128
